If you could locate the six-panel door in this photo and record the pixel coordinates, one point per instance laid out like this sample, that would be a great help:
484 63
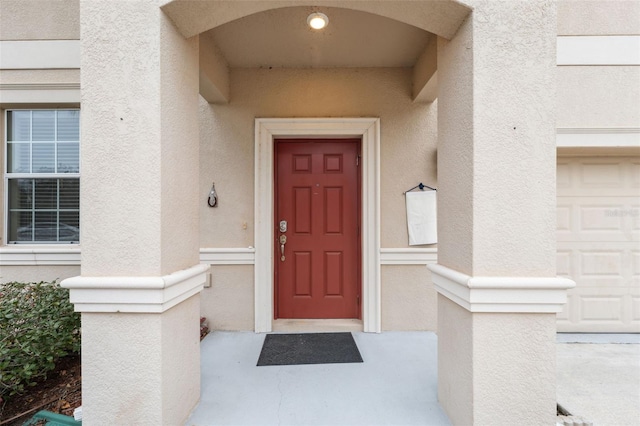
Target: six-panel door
318 195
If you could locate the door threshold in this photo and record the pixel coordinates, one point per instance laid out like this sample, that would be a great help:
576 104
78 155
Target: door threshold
316 325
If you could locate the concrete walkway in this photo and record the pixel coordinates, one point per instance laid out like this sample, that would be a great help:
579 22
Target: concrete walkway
599 377
397 383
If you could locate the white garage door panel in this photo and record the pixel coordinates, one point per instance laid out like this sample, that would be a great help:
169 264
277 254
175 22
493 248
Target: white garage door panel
597 219
601 310
606 176
598 231
635 309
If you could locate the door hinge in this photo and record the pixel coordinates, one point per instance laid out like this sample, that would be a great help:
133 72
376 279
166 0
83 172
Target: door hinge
358 299
357 160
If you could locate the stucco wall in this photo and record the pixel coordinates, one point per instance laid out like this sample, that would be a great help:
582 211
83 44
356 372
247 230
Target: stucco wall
598 96
228 303
39 19
180 361
455 124
157 387
40 76
598 17
106 336
34 273
455 361
145 123
408 156
479 348
408 298
227 138
517 364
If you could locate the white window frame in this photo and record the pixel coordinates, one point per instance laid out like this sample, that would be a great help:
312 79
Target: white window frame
8 176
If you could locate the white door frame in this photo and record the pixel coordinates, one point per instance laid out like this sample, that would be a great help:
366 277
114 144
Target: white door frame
266 130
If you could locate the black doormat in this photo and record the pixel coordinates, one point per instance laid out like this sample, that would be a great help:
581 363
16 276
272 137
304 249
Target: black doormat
309 348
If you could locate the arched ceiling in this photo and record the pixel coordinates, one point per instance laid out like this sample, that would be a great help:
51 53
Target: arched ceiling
441 17
282 38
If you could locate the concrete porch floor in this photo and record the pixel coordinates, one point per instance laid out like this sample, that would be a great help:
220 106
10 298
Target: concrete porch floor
598 379
395 385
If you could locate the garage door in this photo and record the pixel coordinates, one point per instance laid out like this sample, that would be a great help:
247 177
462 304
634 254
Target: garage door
598 230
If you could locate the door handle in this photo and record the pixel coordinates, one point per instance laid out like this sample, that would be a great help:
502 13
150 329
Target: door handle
283 241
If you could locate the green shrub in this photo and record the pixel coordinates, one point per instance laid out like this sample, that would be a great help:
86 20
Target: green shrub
37 327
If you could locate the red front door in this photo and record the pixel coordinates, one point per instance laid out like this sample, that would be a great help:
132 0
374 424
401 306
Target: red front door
318 196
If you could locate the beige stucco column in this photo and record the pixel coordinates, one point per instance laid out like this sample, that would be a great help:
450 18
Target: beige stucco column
141 278
498 292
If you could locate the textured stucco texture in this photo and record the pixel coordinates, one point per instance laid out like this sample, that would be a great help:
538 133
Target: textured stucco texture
455 361
36 77
598 17
126 382
492 369
408 141
455 151
408 298
598 96
228 304
496 218
408 156
138 209
21 273
503 225
39 19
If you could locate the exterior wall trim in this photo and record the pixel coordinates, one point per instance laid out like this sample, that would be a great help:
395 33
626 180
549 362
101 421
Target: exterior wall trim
135 294
36 256
598 50
266 129
501 294
39 54
228 256
40 93
598 137
408 256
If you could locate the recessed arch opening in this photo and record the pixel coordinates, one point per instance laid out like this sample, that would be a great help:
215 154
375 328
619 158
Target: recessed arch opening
442 18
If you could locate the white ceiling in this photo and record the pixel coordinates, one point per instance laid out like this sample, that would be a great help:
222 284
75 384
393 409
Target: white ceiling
282 38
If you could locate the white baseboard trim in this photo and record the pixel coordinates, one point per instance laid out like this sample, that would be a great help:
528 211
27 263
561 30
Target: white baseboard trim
501 294
135 294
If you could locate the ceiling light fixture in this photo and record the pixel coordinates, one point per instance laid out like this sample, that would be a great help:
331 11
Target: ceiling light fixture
317 20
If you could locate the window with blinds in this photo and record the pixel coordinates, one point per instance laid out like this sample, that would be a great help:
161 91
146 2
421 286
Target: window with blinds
43 176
